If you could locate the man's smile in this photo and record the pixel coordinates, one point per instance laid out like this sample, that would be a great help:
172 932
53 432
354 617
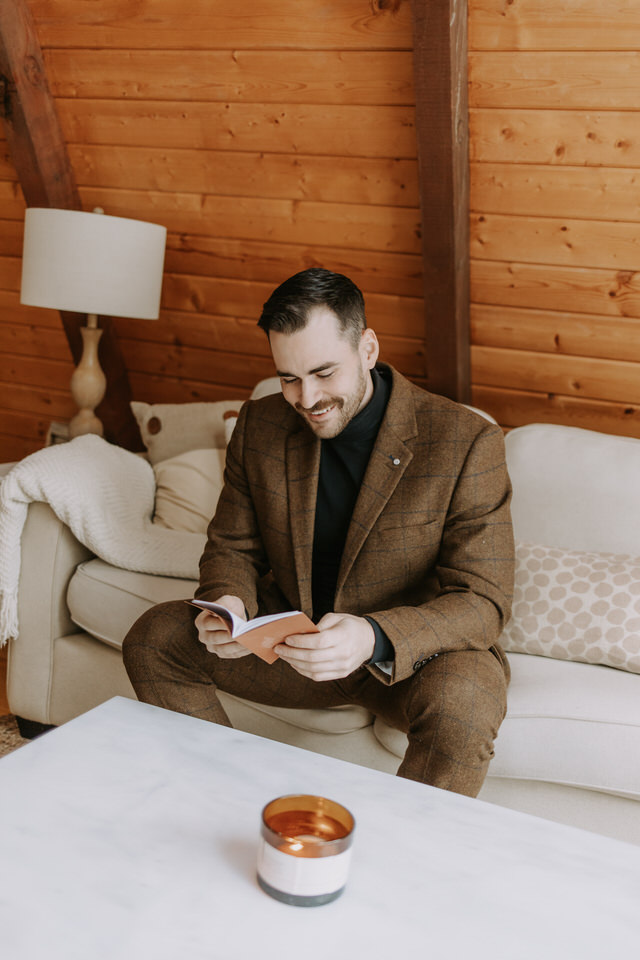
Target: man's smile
318 410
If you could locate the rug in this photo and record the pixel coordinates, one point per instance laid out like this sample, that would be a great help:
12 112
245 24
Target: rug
10 738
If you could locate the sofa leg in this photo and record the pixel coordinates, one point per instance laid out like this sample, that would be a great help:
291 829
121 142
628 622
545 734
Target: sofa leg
30 729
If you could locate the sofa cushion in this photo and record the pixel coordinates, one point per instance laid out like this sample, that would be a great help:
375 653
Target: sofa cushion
264 388
189 483
168 429
105 601
574 488
187 489
576 606
569 723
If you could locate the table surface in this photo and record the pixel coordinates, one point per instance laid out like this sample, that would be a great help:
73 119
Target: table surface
132 832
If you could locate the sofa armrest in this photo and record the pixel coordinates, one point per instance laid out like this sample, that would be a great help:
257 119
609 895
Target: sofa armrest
49 557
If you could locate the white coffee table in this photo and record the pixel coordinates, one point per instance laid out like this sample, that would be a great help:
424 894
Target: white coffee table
131 833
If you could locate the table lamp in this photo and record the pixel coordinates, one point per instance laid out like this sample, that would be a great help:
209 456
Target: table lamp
93 264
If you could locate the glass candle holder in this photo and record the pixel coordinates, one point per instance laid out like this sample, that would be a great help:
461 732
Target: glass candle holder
305 849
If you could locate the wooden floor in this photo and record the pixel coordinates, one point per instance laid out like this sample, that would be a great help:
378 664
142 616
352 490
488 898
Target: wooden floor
4 706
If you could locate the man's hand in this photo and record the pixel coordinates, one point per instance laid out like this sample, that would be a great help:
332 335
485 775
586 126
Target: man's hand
212 630
343 644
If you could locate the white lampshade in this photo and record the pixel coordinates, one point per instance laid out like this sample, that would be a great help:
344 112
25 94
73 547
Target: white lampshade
92 263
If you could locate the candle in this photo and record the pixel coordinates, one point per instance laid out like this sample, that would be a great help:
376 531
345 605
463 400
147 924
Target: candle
305 849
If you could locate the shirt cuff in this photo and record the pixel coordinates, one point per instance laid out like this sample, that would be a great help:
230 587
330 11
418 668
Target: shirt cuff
383 649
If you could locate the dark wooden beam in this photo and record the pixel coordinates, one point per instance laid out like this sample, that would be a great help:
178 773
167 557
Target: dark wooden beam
442 130
40 157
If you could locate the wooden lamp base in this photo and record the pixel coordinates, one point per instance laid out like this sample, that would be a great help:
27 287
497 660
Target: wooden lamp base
88 383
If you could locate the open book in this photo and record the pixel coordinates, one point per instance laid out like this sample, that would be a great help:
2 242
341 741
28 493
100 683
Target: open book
261 634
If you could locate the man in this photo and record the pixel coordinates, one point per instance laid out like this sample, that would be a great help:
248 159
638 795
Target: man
377 508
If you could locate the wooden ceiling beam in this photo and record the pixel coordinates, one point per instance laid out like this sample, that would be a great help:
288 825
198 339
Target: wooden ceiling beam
442 132
40 157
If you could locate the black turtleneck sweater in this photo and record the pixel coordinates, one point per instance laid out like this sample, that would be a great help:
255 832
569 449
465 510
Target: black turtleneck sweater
343 461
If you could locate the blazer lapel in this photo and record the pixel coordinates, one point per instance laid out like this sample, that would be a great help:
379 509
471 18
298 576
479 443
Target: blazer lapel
389 459
303 461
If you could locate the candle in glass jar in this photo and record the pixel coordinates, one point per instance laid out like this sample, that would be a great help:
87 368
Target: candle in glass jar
305 849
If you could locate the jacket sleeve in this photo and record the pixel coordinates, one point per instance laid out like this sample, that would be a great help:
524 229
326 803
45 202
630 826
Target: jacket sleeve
234 558
472 583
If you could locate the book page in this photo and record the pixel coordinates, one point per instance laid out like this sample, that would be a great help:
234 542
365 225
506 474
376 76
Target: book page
233 621
262 639
261 634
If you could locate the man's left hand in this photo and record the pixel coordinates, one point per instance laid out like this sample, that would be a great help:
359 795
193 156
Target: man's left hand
343 644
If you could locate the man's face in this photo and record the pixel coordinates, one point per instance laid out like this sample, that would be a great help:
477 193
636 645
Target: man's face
323 375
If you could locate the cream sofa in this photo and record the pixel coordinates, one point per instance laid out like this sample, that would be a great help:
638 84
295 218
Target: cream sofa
569 748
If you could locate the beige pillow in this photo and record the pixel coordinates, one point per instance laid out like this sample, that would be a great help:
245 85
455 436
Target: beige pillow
187 489
265 388
168 429
229 426
576 606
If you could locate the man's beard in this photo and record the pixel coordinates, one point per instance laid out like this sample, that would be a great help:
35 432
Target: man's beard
345 407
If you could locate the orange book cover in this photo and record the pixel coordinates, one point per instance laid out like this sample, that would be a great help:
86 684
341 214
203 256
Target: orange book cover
262 634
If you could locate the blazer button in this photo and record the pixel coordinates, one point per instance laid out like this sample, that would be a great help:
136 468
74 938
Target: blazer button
421 662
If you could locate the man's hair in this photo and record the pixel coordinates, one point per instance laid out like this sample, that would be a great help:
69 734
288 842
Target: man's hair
287 309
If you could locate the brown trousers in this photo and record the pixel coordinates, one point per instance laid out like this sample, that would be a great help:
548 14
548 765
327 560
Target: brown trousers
450 709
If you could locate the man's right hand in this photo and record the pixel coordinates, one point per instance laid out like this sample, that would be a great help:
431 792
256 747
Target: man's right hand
213 632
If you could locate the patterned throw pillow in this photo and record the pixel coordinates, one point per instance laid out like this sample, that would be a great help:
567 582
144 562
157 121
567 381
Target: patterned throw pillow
169 429
576 606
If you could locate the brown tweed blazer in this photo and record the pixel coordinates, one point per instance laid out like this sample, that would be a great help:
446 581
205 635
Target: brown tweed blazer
429 552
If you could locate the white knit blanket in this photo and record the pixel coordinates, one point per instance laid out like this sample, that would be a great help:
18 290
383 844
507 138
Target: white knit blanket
106 495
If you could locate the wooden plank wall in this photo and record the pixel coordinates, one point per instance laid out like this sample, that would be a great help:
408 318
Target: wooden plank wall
267 137
555 211
270 137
